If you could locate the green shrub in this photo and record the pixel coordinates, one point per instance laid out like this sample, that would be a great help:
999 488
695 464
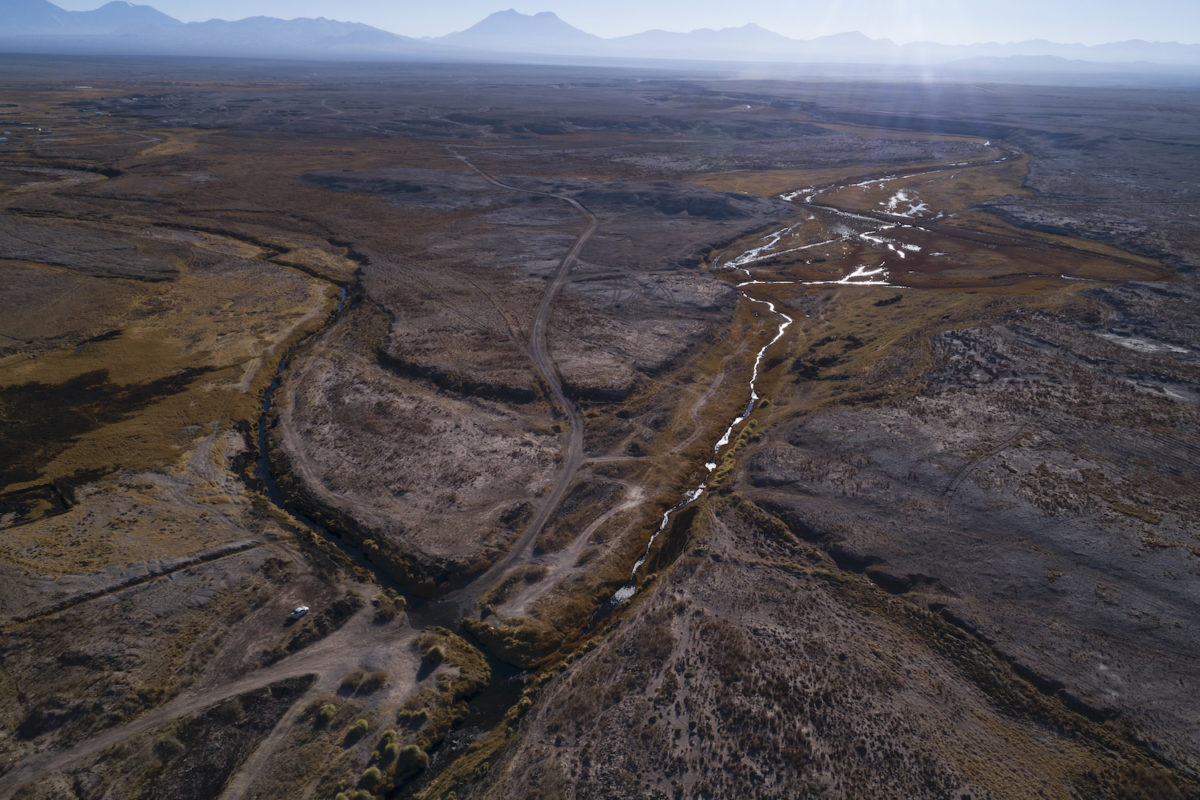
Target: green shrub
388 747
414 717
326 713
356 731
371 778
411 759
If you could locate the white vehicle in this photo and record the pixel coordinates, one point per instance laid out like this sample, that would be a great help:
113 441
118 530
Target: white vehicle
298 612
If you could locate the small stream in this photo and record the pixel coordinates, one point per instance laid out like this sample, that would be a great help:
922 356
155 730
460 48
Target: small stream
262 465
860 276
630 588
262 469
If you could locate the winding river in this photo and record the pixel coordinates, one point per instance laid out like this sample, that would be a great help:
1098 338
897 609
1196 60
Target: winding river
262 465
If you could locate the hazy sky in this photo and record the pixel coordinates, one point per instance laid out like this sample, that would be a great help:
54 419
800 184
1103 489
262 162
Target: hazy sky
948 21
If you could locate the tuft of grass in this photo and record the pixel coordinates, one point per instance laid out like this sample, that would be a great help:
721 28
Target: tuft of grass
410 760
1142 782
373 682
388 748
412 717
356 731
388 606
371 778
351 682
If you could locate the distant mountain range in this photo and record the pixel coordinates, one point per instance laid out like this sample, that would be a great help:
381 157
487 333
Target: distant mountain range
125 28
38 17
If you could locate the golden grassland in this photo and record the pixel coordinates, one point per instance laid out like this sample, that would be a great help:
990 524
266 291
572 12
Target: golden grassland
945 188
148 378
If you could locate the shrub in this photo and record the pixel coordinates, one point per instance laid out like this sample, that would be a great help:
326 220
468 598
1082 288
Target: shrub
371 778
357 730
372 682
168 748
385 611
388 747
387 607
413 717
326 713
411 759
350 682
435 654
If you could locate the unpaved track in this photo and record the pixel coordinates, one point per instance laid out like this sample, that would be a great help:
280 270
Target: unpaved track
330 659
156 571
518 604
468 597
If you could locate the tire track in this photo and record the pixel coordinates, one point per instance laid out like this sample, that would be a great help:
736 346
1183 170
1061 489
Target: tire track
469 596
153 574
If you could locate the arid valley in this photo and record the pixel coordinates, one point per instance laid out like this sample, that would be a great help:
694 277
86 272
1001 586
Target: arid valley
626 433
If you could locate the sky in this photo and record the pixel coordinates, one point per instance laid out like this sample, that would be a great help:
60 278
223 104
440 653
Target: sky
946 21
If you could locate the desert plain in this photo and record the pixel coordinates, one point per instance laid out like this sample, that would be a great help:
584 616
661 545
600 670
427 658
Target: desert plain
628 433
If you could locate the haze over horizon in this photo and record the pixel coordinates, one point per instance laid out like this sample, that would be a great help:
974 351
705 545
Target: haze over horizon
902 21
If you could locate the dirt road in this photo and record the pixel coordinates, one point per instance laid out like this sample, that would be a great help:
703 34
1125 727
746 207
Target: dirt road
469 596
330 660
